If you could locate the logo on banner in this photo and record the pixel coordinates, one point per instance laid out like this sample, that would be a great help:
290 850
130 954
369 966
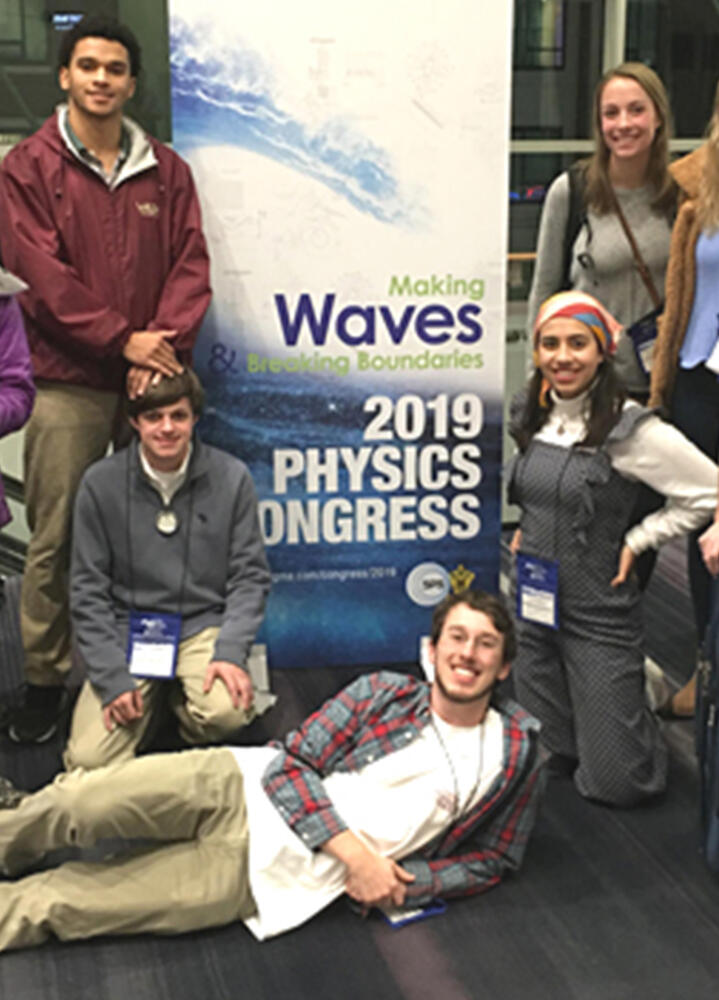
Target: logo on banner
461 578
427 584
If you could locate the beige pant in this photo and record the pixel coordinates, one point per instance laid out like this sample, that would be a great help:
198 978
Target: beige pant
191 802
70 427
204 718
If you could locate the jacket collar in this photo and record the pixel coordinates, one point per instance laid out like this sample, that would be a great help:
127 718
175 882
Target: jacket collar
687 172
141 155
9 284
199 460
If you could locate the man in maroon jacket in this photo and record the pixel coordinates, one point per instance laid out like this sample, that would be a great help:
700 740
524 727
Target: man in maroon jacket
103 223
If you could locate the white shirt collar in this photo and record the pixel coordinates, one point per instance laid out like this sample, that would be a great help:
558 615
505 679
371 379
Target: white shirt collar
166 483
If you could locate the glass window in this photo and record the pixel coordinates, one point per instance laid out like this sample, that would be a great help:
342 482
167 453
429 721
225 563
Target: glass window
680 40
10 30
557 60
530 176
539 34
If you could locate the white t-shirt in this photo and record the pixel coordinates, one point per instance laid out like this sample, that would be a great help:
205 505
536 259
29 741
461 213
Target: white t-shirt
395 805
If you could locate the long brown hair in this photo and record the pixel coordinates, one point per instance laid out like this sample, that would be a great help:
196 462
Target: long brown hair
708 205
606 401
598 186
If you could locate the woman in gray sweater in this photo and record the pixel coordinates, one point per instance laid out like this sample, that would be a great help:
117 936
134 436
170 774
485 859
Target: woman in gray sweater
629 167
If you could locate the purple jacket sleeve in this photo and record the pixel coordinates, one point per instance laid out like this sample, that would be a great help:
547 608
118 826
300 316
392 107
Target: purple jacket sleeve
17 391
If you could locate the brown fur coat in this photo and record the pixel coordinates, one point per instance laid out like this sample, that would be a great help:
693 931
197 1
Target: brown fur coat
681 275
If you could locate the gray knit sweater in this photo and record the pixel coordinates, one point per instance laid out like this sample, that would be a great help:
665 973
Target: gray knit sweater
610 275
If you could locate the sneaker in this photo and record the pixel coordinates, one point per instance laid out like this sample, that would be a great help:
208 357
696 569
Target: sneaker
37 720
10 796
657 691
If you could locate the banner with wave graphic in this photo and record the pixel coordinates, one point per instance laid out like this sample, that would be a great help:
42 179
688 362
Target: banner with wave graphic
352 164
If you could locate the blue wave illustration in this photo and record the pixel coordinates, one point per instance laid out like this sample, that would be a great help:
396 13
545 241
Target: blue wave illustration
224 94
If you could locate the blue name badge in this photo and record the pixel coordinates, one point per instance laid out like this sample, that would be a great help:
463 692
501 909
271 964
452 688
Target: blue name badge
152 644
537 590
400 918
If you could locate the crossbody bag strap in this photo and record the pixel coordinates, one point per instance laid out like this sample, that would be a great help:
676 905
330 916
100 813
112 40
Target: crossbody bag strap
641 266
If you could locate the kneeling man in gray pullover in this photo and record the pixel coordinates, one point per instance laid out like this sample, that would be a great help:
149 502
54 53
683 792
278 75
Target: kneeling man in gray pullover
168 582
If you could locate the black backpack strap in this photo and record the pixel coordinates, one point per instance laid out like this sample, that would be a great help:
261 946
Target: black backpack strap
577 216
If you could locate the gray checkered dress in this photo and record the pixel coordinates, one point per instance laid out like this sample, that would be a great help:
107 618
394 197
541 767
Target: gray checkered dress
585 682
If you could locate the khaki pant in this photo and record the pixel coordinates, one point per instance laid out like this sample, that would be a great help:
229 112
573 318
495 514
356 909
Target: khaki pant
204 717
192 803
70 427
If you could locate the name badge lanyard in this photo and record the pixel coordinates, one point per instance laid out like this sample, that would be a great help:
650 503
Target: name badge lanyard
154 637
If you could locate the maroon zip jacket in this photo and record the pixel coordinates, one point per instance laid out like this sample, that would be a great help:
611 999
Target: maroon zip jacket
101 263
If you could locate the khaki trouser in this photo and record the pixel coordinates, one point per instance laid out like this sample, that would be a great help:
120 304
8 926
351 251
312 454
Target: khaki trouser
70 427
191 802
204 717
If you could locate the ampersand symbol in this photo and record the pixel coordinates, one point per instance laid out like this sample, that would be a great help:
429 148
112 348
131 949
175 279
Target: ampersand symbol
222 360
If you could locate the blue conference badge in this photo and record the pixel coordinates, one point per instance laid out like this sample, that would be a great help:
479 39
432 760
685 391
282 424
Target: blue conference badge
537 590
152 644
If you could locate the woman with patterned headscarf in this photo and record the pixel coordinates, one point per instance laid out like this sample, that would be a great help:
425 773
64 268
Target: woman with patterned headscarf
584 450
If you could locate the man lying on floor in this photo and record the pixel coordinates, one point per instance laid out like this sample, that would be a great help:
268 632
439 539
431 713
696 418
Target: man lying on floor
391 769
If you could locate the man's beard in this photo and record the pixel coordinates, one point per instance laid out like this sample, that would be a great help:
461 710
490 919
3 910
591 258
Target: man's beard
463 699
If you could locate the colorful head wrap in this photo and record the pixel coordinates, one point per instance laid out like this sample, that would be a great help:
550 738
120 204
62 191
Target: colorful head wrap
586 309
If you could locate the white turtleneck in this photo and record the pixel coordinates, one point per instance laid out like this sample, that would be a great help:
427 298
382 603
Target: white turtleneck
655 453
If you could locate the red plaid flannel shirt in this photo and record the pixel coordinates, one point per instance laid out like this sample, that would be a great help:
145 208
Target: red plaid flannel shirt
382 712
